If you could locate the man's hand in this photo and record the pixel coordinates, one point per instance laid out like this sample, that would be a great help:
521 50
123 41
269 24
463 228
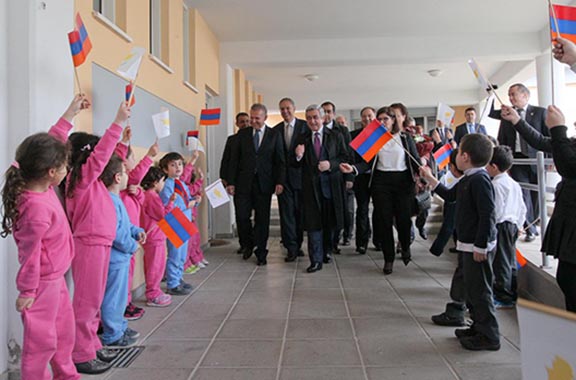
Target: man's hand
230 189
349 185
449 134
346 168
132 189
564 50
554 117
279 189
300 150
436 137
479 257
510 114
324 165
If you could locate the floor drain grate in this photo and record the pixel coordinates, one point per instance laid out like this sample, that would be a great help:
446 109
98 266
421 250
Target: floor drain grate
127 356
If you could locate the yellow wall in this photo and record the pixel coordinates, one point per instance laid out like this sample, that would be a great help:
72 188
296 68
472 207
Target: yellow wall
109 49
244 93
277 118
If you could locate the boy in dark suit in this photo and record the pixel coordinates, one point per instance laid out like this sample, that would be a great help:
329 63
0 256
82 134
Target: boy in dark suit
476 233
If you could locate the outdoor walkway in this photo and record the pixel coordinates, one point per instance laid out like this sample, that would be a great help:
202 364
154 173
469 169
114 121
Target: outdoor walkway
347 322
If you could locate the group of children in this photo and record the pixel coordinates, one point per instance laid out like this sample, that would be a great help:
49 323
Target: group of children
106 215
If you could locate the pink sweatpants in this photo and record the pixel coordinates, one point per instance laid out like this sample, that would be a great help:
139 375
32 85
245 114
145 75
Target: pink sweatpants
48 337
195 254
154 267
90 271
131 276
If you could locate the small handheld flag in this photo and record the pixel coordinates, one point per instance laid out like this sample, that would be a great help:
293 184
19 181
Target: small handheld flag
445 114
177 227
442 156
370 140
216 194
210 116
180 190
80 44
193 143
162 124
131 64
520 259
128 93
565 23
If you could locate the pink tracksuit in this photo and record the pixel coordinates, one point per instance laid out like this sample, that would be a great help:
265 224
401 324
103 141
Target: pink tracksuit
93 219
153 211
195 253
133 202
45 251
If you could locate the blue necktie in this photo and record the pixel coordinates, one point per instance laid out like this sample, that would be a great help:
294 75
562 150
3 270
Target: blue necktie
472 130
256 140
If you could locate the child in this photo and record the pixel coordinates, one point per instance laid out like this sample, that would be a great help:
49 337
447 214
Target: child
34 214
476 233
116 331
510 216
133 198
93 219
195 258
172 165
155 248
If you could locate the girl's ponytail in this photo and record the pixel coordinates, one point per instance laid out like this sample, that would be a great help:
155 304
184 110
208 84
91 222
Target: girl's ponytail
13 187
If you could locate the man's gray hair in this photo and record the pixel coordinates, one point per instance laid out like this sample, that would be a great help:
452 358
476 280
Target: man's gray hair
316 107
259 107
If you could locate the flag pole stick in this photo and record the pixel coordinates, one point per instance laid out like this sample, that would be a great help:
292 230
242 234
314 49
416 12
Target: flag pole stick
77 80
553 12
484 109
408 153
133 85
555 19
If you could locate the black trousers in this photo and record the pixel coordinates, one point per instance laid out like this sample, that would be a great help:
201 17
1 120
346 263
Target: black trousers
290 202
566 278
478 278
524 173
447 229
362 195
504 265
328 225
393 195
254 235
348 215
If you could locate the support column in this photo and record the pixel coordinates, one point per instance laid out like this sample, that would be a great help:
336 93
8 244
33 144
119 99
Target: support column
548 81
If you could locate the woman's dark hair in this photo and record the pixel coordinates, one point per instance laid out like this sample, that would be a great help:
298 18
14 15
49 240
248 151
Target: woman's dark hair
35 156
151 178
404 111
113 167
168 158
390 112
83 145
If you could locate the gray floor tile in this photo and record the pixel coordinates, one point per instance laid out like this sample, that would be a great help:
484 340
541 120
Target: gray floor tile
403 351
411 373
170 355
319 329
490 372
262 310
387 328
183 329
202 311
235 374
311 310
304 353
253 354
253 329
147 374
340 373
314 282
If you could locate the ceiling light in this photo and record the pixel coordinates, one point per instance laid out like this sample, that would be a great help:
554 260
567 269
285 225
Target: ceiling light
434 72
311 77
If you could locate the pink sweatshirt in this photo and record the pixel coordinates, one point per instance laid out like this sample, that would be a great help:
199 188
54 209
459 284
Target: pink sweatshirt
44 240
91 211
186 176
134 202
153 211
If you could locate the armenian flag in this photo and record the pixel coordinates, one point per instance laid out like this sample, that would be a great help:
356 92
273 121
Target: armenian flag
180 190
210 116
128 93
442 156
370 140
80 44
520 259
566 17
177 227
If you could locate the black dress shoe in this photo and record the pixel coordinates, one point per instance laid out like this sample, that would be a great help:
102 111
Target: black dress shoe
93 367
300 253
261 262
240 251
327 259
361 250
388 267
336 251
247 253
453 250
377 246
314 268
346 242
290 258
406 257
529 237
423 233
107 355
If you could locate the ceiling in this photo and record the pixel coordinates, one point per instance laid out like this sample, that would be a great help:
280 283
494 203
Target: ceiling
374 52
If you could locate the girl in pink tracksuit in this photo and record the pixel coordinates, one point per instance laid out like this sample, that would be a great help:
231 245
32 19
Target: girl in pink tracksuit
93 220
34 214
133 199
153 211
196 185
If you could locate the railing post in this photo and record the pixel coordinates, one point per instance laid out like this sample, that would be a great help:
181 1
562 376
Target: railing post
542 202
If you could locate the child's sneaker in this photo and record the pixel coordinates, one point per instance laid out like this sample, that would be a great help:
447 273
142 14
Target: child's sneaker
201 265
186 285
205 262
179 291
160 301
191 269
133 313
125 341
131 333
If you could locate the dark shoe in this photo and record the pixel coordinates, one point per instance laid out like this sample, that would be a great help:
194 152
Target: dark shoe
327 259
423 233
300 253
133 313
261 263
106 355
336 251
377 246
479 343
240 251
446 320
247 253
314 268
398 248
290 258
346 242
465 333
529 237
125 341
453 250
93 367
361 250
406 257
388 268
178 291
131 333
186 285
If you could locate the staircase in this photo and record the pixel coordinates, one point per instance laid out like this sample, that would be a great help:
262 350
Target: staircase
435 217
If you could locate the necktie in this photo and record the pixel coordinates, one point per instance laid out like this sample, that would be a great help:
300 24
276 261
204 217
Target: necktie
471 128
317 144
523 144
288 134
256 139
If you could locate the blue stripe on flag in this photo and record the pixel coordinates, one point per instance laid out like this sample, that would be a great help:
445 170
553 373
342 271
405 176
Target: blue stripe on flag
371 140
76 47
566 26
210 117
445 156
177 227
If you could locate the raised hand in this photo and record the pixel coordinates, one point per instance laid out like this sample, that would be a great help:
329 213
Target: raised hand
79 103
153 150
554 117
127 135
123 113
564 50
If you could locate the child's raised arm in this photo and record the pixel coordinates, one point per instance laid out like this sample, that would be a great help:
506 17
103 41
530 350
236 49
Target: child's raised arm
63 126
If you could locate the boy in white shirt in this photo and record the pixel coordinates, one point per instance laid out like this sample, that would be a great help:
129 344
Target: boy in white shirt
510 216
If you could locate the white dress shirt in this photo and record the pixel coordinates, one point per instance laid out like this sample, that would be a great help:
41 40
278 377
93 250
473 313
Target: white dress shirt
510 205
391 157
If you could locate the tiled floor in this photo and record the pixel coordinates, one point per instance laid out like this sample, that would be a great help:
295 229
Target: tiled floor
348 322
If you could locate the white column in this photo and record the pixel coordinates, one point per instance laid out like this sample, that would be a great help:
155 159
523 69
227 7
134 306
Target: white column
549 82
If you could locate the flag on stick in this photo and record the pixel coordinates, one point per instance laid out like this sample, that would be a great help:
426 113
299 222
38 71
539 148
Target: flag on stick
370 140
442 156
131 64
564 22
216 194
193 143
162 123
210 116
180 190
129 95
177 227
481 78
445 114
520 259
80 44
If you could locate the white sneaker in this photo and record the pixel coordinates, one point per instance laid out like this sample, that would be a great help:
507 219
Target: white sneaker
201 265
205 262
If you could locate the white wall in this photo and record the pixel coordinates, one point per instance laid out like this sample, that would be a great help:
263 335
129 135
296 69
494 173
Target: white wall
38 73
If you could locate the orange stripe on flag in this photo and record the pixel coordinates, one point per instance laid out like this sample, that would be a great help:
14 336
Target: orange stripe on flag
170 233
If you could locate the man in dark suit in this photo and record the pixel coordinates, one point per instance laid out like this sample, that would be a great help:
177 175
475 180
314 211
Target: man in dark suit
534 117
242 121
348 181
290 201
257 169
441 135
470 126
319 152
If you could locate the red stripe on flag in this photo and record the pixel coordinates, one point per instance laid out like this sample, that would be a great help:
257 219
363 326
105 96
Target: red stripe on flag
564 12
210 111
366 132
170 233
377 146
128 92
192 133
